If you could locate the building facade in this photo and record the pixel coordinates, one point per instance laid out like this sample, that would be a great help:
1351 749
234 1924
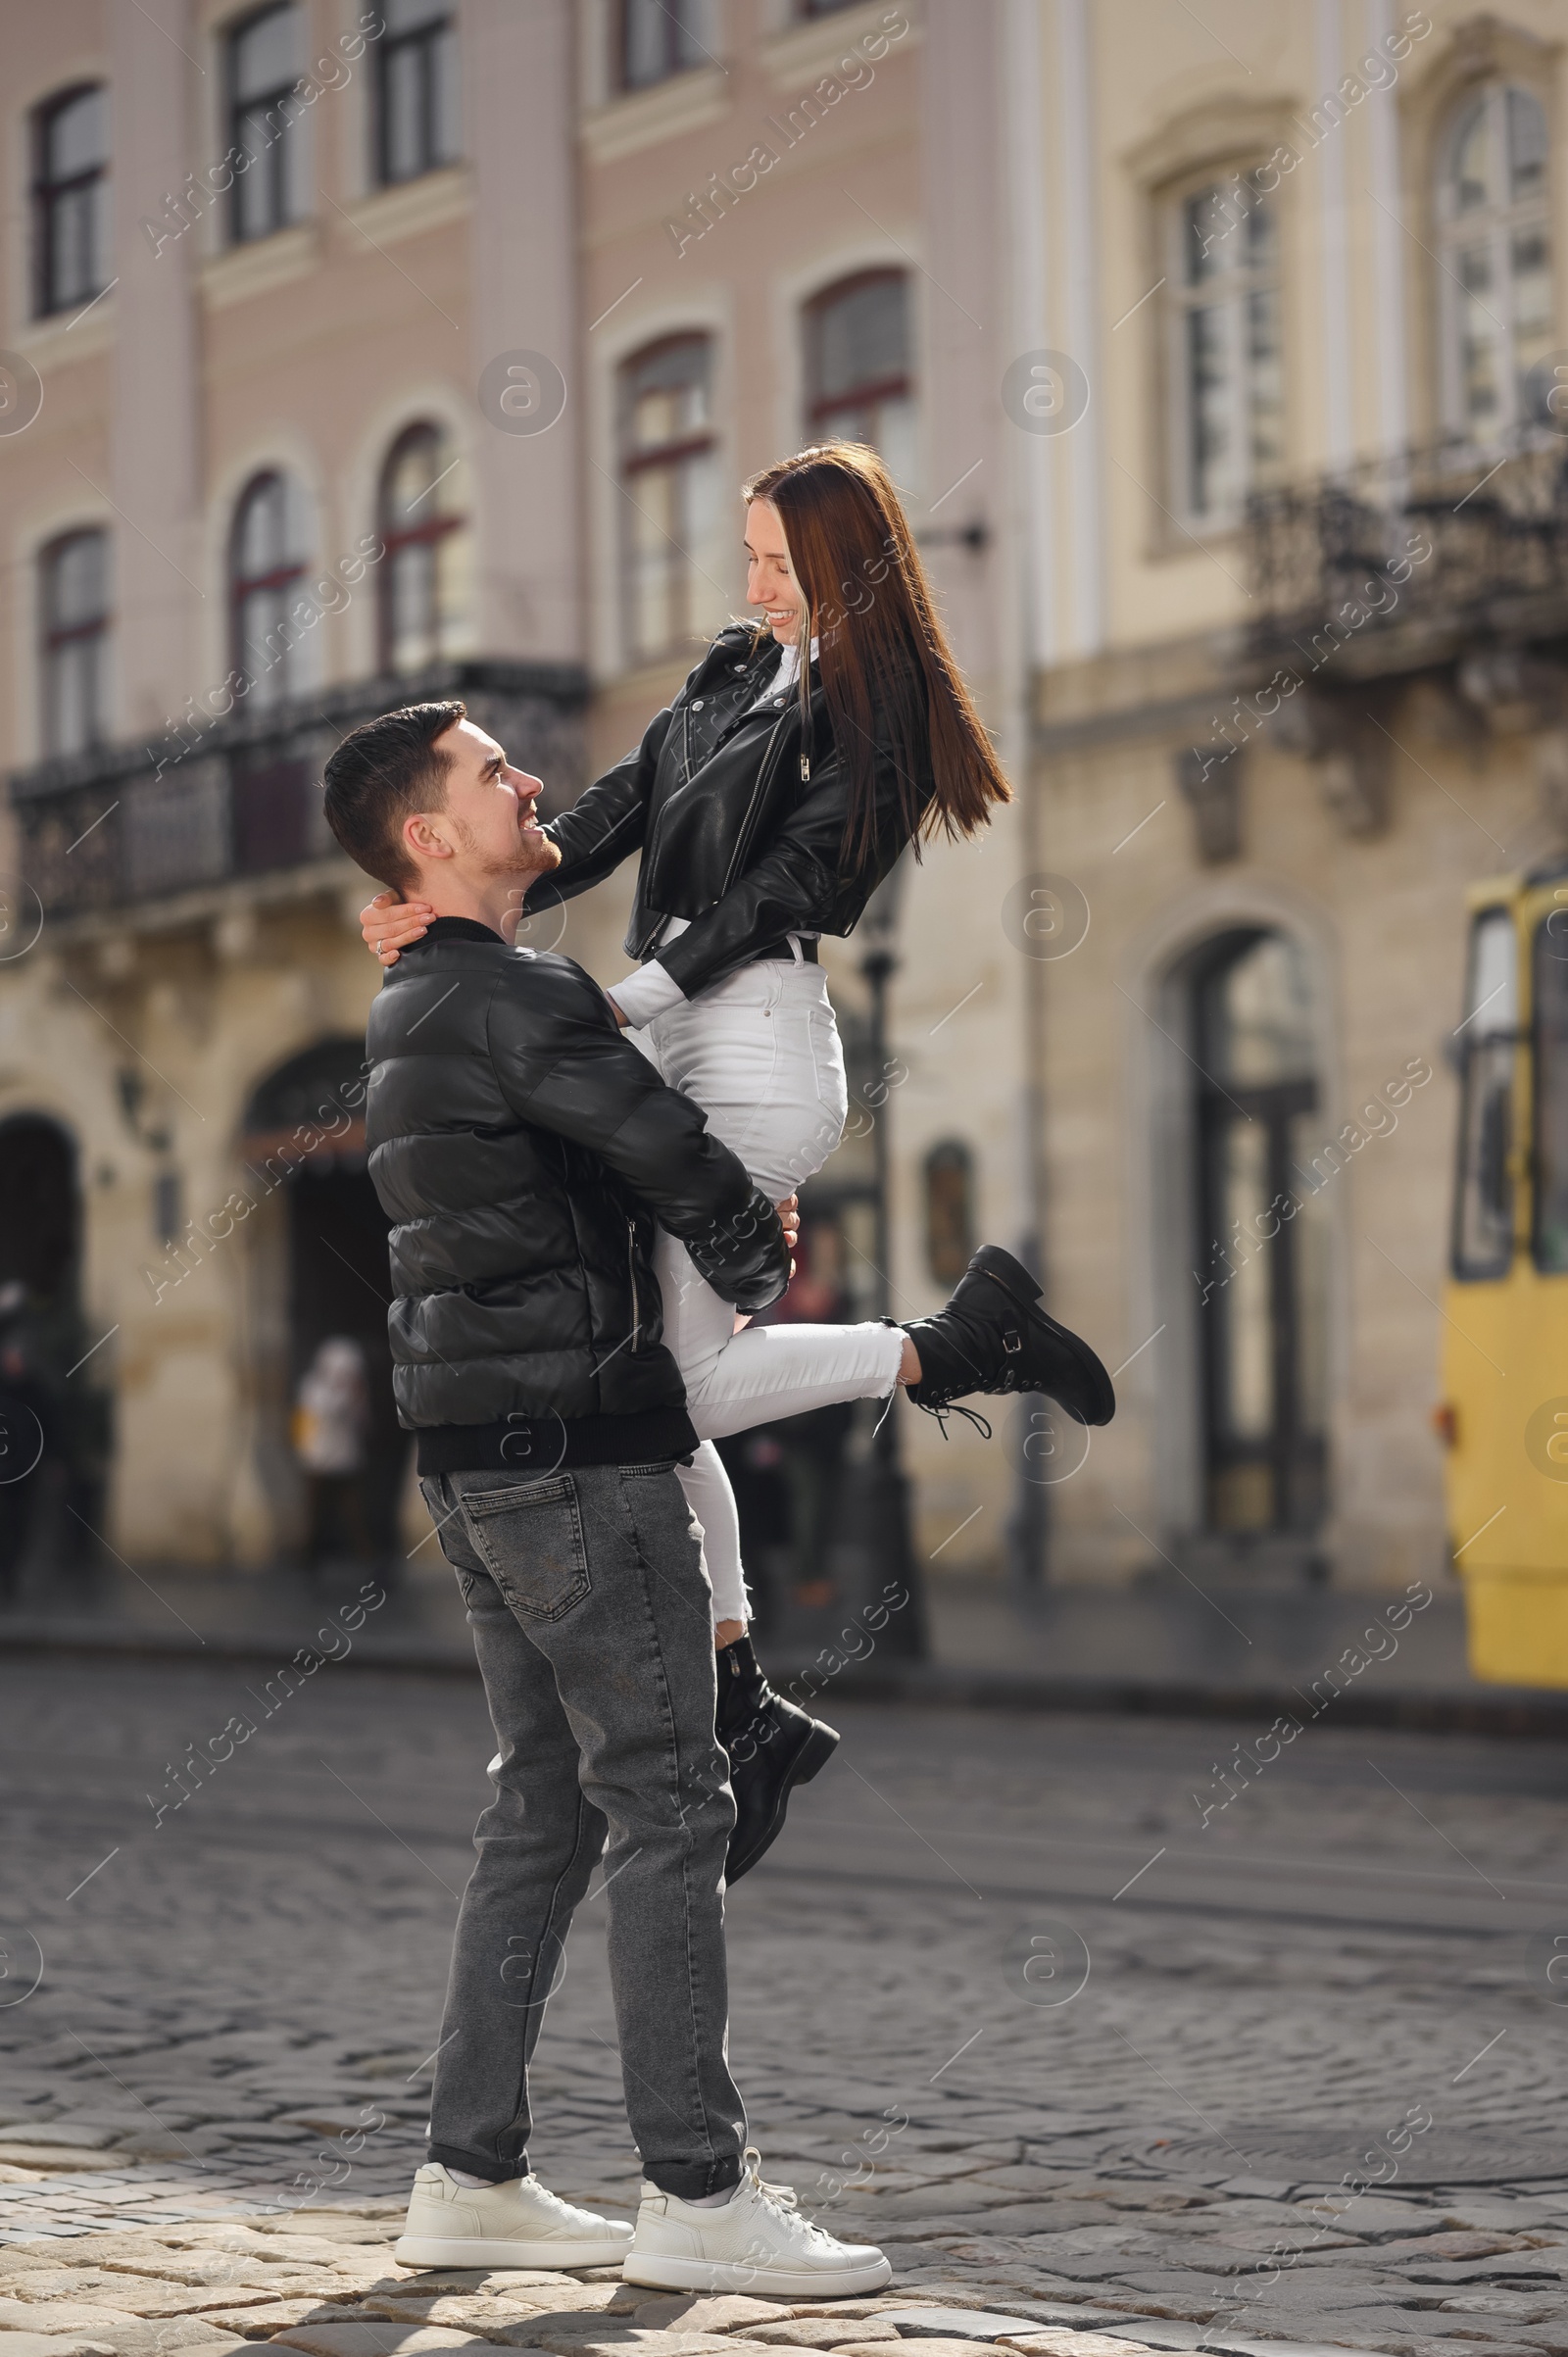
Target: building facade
354 354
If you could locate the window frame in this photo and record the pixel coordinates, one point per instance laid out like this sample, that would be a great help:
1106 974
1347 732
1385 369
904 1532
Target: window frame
1294 1452
54 636
47 194
680 451
393 540
242 586
1504 1040
675 30
1497 226
870 392
278 155
427 38
1542 1077
1181 299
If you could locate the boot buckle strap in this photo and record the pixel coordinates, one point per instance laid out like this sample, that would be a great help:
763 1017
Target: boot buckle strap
1013 1343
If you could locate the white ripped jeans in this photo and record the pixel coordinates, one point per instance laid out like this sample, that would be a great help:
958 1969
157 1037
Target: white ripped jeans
759 1052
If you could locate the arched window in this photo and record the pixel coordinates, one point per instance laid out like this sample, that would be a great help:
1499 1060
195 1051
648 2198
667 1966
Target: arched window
949 1211
671 505
266 562
1495 258
858 386
1264 1180
71 200
424 573
74 640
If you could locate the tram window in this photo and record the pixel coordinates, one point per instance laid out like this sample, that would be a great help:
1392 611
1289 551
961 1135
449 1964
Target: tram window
1482 1239
1551 1096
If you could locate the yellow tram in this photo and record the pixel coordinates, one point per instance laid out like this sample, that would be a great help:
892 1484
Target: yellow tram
1504 1416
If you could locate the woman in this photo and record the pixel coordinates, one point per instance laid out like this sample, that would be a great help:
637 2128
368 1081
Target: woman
767 802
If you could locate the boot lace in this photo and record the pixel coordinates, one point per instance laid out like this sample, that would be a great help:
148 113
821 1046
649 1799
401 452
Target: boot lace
945 1409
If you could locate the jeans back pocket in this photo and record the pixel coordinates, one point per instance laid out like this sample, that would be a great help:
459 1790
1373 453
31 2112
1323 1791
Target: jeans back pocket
528 1535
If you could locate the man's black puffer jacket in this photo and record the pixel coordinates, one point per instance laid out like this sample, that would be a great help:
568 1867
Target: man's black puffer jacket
739 819
523 1151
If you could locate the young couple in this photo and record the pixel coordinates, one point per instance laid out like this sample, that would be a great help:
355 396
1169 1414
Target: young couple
577 1216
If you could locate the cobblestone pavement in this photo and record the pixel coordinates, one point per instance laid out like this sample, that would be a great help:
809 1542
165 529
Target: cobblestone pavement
1004 2000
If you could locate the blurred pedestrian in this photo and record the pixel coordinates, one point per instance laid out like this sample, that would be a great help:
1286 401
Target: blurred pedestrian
24 1426
332 1432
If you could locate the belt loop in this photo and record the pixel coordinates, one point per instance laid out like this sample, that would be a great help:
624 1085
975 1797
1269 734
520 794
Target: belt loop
796 951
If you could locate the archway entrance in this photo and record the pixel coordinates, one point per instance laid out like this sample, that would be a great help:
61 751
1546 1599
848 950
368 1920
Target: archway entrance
1262 1237
337 1281
54 1423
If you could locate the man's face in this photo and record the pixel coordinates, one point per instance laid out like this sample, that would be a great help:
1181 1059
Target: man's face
488 822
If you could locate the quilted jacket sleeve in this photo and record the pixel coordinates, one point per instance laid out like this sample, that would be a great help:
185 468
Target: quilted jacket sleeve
564 1065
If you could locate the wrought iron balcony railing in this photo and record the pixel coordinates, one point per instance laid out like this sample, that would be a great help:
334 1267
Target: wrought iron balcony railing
131 824
1449 537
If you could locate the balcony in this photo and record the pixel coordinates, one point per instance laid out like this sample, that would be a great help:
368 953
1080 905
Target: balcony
1402 563
179 824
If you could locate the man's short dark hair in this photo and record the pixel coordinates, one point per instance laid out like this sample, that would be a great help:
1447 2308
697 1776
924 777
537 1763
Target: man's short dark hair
383 772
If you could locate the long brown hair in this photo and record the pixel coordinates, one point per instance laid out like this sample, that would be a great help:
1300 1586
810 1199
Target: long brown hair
887 669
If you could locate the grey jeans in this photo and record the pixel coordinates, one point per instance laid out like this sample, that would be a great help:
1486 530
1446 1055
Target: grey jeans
592 1620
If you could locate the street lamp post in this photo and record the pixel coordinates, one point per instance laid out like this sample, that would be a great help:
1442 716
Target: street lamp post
886 1498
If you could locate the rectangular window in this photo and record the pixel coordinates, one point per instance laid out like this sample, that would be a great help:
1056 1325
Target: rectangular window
1483 1222
265 130
659 38
418 126
1495 267
671 507
73 614
1226 347
71 200
1551 1092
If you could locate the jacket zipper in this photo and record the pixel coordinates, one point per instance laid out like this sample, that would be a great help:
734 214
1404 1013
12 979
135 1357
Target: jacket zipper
743 838
632 1275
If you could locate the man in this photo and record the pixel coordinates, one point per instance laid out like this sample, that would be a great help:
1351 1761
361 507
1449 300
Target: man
523 1151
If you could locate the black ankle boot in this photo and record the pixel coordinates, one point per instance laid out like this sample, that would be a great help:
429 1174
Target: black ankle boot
994 1337
772 1746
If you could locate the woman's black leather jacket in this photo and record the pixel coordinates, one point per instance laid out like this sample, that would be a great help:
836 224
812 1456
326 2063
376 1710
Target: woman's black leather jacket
739 820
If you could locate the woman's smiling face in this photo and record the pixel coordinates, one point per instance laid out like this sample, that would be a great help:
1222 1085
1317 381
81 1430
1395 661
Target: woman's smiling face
771 581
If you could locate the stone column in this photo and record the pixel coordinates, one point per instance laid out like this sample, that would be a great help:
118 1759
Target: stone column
521 113
156 432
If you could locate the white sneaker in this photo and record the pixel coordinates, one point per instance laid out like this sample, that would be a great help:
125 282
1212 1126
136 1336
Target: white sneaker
515 2225
757 2243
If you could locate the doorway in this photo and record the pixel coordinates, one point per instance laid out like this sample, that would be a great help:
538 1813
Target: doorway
337 1284
1262 1237
54 1431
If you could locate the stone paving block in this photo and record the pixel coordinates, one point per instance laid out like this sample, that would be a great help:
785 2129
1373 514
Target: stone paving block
467 2311
720 2311
822 2332
275 2316
371 2340
875 2348
1063 2343
60 2316
39 2344
963 2324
